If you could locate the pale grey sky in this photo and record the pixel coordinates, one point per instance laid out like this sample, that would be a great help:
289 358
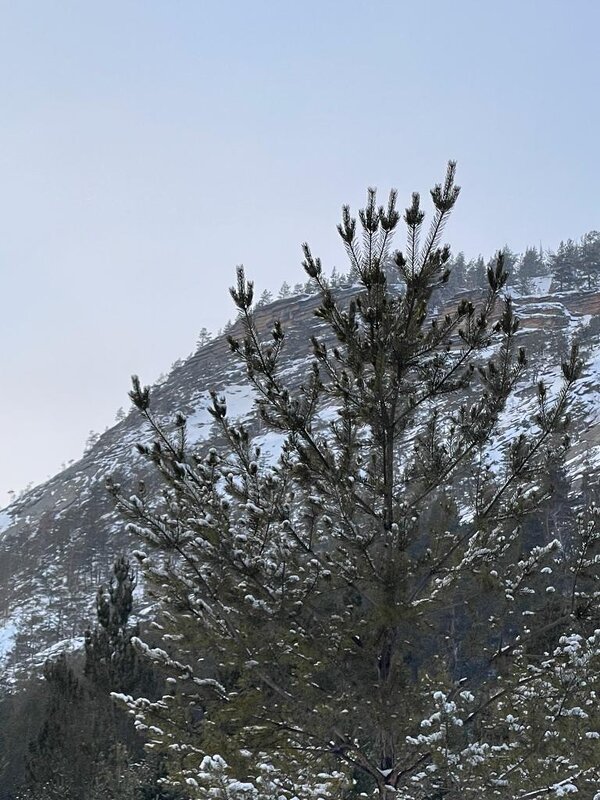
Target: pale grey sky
146 148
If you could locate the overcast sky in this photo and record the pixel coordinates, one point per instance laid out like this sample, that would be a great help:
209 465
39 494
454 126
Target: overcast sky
146 148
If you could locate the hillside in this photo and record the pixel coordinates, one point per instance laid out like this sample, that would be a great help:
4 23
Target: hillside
58 541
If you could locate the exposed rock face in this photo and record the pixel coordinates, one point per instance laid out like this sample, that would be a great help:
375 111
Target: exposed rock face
58 541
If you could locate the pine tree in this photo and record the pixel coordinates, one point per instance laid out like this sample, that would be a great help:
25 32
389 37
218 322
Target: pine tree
335 279
204 338
477 272
459 272
265 298
531 266
111 662
564 265
91 442
589 250
509 259
368 615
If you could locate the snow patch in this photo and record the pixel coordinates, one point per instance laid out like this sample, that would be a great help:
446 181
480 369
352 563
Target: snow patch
6 520
541 285
64 646
8 632
271 444
240 399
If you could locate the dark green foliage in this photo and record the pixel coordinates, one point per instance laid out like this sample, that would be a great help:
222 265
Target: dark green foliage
61 758
111 662
20 721
87 747
590 259
576 265
565 264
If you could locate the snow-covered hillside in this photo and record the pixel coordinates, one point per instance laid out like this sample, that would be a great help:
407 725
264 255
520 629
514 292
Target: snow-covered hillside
58 541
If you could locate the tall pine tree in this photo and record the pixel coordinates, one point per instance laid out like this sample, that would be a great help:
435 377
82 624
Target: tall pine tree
369 616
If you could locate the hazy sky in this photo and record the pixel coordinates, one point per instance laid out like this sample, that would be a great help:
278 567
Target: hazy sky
146 148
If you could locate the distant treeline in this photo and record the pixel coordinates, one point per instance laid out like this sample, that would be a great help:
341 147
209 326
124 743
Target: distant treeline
574 265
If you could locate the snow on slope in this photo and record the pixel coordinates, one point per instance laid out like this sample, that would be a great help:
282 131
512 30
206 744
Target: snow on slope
6 520
8 631
240 404
57 542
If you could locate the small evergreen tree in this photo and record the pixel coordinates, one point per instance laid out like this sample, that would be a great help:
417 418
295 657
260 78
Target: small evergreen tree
564 265
459 273
530 267
111 662
476 272
509 259
335 279
368 615
91 442
589 252
204 337
265 298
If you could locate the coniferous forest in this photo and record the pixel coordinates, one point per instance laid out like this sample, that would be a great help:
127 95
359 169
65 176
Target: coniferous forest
395 599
